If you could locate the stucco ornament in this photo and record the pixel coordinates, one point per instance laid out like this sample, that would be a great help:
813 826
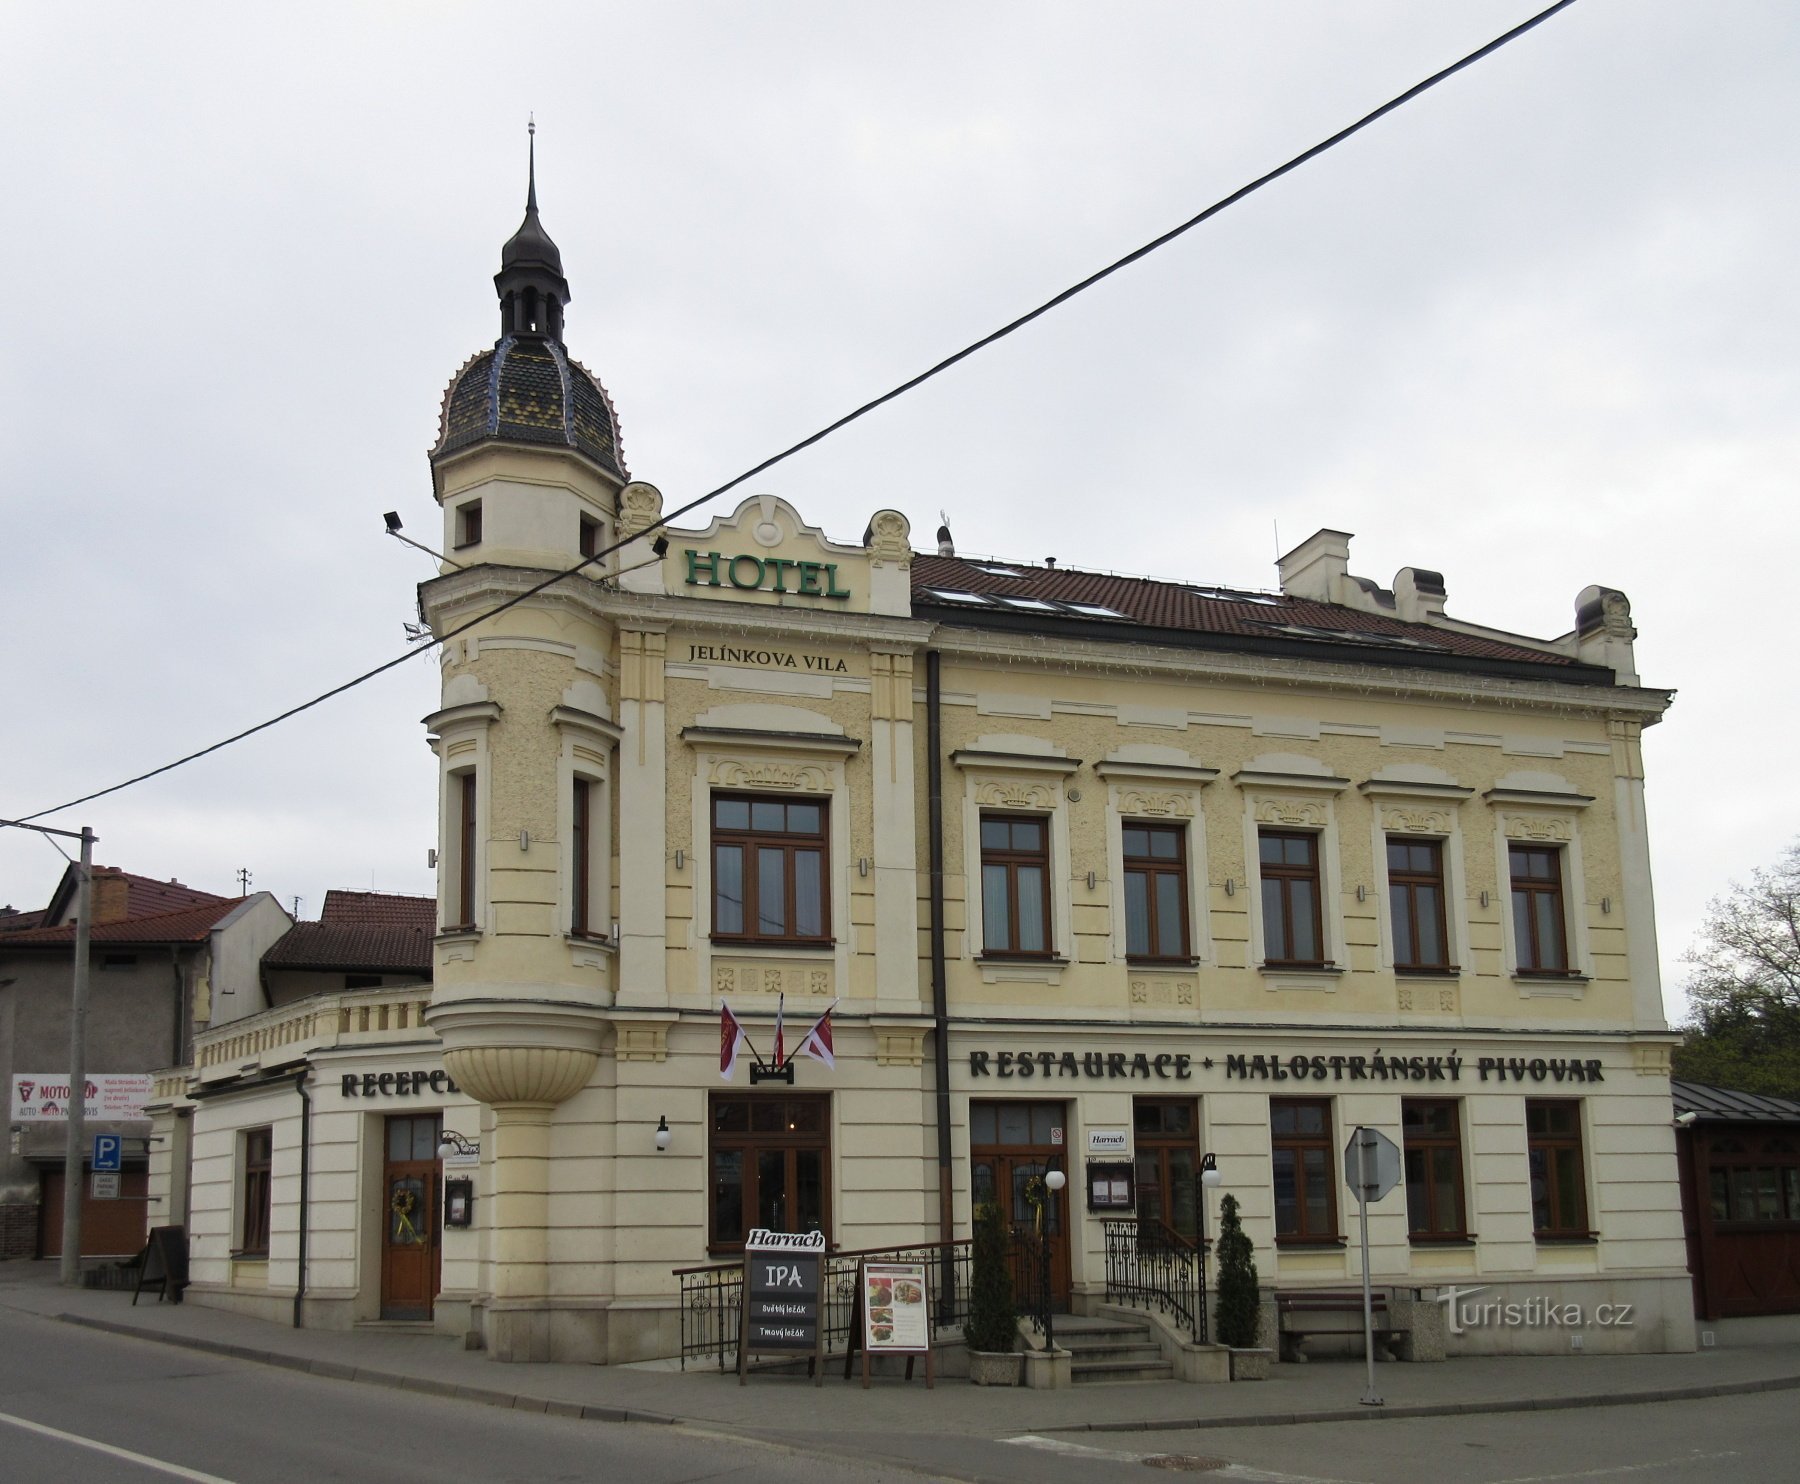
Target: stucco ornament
1014 796
887 541
1305 812
640 506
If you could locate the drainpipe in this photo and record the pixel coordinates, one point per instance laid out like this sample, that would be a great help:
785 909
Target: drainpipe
305 1181
940 1001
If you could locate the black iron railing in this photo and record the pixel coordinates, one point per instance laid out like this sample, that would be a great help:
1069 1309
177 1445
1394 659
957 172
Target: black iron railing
712 1296
1149 1264
1033 1291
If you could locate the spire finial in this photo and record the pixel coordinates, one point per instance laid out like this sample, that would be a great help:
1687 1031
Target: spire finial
531 147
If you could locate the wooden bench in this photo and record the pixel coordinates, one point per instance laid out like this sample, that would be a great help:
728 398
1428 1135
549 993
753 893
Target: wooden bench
1340 1309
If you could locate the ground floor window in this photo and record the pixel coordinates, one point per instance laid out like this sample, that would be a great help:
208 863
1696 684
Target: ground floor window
1166 1135
1305 1185
770 1157
1434 1183
1558 1184
259 1145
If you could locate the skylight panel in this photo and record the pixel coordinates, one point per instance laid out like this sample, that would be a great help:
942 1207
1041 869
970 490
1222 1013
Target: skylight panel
1226 595
1095 610
994 569
951 595
1037 605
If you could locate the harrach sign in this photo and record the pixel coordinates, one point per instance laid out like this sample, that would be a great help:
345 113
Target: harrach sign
782 1296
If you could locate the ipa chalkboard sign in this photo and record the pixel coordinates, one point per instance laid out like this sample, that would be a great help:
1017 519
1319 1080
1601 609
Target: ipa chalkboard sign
782 1292
164 1264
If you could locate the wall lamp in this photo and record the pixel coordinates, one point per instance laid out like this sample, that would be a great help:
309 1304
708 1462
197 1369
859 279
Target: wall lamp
664 1136
392 518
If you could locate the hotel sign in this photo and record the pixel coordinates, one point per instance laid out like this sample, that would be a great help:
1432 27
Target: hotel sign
763 574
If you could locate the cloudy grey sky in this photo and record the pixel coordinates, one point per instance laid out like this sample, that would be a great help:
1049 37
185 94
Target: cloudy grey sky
1537 330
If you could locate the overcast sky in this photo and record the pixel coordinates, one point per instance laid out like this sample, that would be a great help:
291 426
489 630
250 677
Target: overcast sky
1537 330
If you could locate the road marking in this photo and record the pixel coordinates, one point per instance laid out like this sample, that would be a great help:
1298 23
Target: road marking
1237 1471
1614 1470
1071 1450
174 1470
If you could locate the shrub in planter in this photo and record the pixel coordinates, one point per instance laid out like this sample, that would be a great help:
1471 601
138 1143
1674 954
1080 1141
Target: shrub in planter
1239 1309
993 1322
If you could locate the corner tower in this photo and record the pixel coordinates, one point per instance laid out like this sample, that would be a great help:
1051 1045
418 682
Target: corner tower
528 473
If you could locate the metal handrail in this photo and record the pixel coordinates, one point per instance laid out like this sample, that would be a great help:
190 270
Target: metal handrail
1150 1263
712 1297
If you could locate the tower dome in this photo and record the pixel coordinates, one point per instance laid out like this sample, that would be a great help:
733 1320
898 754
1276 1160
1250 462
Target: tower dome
527 389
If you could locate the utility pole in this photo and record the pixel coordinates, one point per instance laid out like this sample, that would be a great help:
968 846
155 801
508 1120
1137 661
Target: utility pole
74 1154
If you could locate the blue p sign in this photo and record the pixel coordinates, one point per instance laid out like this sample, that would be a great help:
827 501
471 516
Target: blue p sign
109 1151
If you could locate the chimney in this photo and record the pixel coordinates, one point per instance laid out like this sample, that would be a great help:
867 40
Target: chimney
1316 569
111 899
946 547
1419 595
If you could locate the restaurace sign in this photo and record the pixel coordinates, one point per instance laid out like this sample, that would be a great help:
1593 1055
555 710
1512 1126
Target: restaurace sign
1147 1066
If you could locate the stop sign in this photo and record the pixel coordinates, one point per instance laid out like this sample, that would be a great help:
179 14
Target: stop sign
1372 1164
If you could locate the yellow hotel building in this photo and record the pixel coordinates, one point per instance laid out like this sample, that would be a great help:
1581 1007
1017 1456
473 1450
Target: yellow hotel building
1102 872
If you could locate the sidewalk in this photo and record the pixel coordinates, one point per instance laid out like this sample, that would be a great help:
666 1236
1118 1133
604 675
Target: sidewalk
1750 1355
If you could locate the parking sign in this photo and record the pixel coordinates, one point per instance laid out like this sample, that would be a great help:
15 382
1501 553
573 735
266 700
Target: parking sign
109 1152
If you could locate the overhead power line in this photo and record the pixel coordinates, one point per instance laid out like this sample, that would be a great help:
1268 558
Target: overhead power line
1224 202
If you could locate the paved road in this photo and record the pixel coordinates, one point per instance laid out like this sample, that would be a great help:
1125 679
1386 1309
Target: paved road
67 1396
81 1405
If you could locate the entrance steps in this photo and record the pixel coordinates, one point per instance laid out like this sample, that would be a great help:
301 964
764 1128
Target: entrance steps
1110 1350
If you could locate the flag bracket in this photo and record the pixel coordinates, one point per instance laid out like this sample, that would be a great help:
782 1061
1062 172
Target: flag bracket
782 1073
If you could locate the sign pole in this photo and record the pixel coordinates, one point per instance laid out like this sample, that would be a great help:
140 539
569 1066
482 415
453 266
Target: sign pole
74 1152
1369 1399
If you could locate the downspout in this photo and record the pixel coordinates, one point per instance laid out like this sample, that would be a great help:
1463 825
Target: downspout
305 1183
940 1000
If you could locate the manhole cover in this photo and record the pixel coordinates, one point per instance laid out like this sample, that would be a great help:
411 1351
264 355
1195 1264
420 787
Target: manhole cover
1185 1463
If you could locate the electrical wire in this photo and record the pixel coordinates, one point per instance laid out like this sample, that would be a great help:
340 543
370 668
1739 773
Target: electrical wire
1398 101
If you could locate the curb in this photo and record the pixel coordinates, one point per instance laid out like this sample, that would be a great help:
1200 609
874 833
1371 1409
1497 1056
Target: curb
337 1371
1450 1409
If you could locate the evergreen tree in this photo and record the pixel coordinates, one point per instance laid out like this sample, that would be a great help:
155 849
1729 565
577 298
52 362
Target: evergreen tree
1239 1309
993 1322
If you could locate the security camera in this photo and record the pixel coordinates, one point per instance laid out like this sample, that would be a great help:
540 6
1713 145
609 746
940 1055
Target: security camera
1685 1120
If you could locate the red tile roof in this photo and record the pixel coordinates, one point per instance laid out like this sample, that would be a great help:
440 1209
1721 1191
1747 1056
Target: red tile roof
149 897
379 909
190 925
1270 620
361 932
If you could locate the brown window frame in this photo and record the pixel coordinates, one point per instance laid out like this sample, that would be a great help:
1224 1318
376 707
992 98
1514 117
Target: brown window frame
790 843
1153 869
1555 1146
1296 1144
1009 859
1284 874
468 524
581 859
258 1192
1525 892
466 815
750 1142
1425 1142
1154 1145
588 535
1405 883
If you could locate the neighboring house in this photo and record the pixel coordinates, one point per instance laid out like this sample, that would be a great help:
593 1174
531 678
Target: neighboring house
1099 872
161 954
1740 1189
362 940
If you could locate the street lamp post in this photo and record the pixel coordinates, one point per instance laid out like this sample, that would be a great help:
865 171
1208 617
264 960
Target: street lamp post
1210 1179
1054 1180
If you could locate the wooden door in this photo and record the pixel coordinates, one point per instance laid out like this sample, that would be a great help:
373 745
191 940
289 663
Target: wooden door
109 1228
1011 1146
411 1192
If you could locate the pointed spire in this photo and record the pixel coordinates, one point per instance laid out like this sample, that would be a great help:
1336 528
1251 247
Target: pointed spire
530 282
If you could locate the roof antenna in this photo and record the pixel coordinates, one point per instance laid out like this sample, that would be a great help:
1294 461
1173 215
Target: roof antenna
531 148
946 546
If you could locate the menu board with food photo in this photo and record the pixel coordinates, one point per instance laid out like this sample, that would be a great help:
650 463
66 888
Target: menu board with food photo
896 1316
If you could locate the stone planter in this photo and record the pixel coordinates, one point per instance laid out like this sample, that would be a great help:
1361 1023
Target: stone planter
1250 1365
995 1367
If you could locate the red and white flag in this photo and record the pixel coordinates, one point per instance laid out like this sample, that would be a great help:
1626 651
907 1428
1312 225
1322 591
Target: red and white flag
817 1042
780 1052
731 1041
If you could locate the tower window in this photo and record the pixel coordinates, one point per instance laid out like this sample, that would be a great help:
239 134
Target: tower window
590 535
468 524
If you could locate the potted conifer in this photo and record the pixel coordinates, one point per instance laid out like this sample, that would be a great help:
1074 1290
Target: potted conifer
1239 1310
992 1330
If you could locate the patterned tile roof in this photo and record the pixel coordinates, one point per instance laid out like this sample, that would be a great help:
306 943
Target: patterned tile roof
379 909
975 591
527 389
